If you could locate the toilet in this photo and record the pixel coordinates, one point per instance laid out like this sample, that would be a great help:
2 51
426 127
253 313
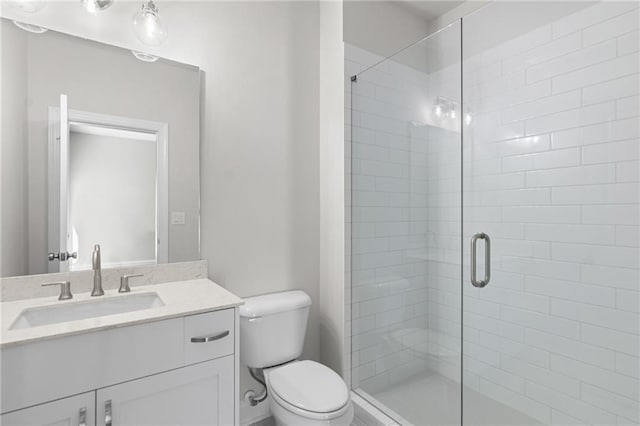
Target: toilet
272 330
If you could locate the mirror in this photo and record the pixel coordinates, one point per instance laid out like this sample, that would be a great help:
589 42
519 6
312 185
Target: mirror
98 147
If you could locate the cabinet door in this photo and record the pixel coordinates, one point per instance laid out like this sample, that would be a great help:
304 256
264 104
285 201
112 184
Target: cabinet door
73 411
200 394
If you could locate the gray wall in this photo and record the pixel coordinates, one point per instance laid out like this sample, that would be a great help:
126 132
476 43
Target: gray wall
108 80
13 177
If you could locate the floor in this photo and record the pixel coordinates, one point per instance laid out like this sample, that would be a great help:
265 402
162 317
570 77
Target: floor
432 399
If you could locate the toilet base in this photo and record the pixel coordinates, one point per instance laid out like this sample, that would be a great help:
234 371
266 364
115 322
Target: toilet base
284 417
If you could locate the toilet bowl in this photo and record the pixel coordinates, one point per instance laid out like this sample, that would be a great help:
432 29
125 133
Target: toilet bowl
308 393
301 393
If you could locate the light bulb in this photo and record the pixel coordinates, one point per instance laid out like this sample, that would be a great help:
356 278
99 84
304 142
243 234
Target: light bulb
147 25
95 6
437 110
452 114
29 6
467 119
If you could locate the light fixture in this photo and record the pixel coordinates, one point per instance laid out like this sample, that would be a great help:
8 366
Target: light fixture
145 57
147 25
95 6
29 6
445 108
437 110
30 27
467 118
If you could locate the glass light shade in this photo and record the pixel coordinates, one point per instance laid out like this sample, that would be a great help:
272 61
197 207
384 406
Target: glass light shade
95 6
30 27
148 27
29 6
145 57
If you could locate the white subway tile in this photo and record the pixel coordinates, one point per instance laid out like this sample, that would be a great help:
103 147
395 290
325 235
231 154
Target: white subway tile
628 257
541 267
625 278
589 16
571 348
611 90
628 365
605 173
619 193
598 133
532 302
542 160
541 214
584 116
571 290
628 236
610 28
572 61
604 71
628 171
542 322
596 315
613 403
543 106
611 152
628 43
541 376
575 407
628 107
611 339
628 300
605 379
553 49
621 214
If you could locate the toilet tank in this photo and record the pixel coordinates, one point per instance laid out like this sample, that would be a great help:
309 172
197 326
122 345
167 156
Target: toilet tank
272 328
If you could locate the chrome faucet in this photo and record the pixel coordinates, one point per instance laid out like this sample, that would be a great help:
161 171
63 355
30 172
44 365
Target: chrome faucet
97 274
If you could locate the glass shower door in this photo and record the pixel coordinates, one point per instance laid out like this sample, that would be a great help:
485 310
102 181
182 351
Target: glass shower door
406 230
550 165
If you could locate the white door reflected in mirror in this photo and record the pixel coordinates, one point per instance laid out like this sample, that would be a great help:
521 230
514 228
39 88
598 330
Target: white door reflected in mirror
110 177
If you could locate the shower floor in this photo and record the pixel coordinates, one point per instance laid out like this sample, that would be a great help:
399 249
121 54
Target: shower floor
432 399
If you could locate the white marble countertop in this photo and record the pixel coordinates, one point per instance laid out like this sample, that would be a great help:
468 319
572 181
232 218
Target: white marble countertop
180 298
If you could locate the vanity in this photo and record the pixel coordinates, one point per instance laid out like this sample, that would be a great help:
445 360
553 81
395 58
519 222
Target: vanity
170 356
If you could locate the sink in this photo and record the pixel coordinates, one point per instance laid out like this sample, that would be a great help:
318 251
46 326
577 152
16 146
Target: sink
72 311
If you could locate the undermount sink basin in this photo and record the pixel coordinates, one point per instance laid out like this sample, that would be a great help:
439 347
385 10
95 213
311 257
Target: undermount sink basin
72 311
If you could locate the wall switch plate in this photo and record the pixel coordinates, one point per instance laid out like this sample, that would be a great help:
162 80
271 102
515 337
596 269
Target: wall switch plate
177 218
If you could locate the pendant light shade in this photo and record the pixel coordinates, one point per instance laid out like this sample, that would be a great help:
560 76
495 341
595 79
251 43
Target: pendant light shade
95 6
148 26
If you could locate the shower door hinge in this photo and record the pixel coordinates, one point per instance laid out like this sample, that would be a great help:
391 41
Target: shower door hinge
354 78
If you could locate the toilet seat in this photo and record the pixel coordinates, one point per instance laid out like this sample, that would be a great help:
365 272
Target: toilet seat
309 389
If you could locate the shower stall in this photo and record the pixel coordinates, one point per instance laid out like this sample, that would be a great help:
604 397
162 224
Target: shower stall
493 261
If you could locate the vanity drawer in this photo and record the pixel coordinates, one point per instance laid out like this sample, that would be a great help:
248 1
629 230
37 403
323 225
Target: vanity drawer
210 335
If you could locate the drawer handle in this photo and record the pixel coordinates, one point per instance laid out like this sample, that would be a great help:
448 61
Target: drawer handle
107 413
205 339
82 418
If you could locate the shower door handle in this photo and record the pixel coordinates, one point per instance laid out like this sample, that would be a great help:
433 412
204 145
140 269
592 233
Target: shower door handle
487 259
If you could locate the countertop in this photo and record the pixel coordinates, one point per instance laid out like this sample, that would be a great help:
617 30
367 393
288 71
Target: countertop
180 298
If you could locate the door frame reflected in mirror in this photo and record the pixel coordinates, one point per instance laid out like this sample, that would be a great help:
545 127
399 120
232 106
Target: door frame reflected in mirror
77 117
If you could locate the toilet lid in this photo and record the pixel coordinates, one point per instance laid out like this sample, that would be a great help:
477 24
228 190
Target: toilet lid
309 386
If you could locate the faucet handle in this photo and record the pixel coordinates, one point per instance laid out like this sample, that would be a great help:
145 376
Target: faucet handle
124 282
65 289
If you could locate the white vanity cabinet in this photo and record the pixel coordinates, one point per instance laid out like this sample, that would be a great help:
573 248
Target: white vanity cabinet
193 395
71 411
178 371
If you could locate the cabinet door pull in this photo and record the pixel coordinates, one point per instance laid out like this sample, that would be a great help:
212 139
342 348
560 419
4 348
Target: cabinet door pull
211 338
107 413
82 418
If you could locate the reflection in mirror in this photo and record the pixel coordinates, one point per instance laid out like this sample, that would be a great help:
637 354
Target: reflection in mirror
108 165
